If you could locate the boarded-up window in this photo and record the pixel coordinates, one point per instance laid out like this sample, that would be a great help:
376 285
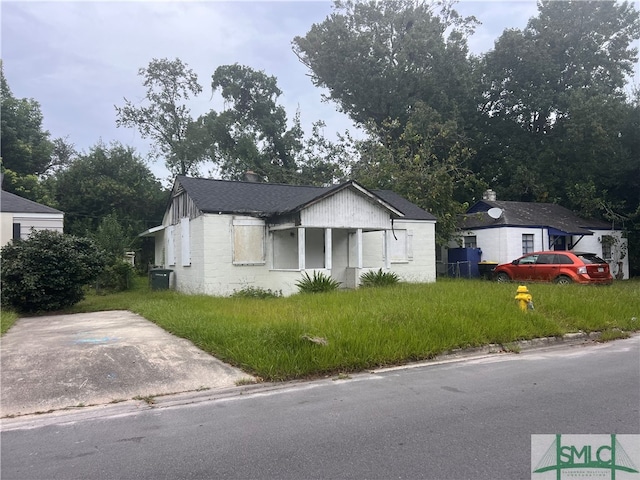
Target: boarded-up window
401 247
185 242
248 241
171 250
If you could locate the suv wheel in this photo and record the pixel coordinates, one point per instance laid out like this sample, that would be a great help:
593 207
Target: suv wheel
563 280
502 278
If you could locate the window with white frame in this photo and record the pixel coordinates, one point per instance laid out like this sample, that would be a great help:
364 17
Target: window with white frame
470 241
527 243
248 241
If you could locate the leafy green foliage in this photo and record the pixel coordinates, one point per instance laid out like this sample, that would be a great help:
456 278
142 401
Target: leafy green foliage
425 163
377 59
48 271
317 284
165 118
256 292
117 276
26 147
109 179
378 279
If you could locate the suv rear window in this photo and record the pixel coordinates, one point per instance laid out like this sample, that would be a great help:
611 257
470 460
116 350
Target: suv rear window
589 258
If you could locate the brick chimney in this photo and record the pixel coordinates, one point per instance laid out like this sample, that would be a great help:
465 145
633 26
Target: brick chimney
251 176
489 195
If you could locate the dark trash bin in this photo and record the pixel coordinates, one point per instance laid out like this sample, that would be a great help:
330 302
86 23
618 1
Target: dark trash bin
160 279
486 269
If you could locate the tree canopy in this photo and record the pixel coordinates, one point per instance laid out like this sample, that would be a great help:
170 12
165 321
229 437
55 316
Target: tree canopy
164 117
109 179
378 59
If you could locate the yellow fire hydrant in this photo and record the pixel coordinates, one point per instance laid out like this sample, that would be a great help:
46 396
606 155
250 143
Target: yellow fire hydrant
524 298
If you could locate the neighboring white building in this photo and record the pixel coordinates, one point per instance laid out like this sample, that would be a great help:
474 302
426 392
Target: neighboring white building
220 236
19 216
504 231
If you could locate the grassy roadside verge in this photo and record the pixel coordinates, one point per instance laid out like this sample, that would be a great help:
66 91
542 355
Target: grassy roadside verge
7 319
369 328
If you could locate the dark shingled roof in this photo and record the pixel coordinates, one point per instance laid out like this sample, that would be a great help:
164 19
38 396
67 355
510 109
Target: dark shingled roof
10 202
268 199
529 214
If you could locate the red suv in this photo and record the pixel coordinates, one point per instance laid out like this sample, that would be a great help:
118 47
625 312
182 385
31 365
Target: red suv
561 267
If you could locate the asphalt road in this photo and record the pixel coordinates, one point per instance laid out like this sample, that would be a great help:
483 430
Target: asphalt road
467 419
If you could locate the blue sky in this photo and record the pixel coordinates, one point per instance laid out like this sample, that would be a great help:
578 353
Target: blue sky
79 59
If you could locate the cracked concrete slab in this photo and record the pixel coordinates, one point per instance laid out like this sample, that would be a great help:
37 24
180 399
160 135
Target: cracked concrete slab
59 361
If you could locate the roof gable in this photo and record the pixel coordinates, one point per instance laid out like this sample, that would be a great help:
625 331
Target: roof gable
10 202
270 199
529 214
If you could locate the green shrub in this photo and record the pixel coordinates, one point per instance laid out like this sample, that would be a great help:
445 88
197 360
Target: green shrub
256 292
116 277
319 283
378 279
48 271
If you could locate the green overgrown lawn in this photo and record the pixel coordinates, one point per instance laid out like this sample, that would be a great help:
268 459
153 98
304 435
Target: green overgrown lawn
370 328
7 319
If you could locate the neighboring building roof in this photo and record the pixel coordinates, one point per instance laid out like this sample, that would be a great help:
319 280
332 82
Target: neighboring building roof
530 214
268 199
10 202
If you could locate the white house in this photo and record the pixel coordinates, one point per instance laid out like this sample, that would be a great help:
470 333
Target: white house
504 231
219 236
19 216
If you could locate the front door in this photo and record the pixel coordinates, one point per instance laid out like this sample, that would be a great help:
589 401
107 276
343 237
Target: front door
339 255
557 242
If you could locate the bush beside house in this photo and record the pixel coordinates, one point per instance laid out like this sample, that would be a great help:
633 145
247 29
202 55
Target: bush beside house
48 271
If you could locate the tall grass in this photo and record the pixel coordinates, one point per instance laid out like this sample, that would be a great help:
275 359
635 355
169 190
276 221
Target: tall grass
7 319
369 328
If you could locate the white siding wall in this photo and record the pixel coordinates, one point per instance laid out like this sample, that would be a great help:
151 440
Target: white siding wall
345 209
37 221
505 244
6 228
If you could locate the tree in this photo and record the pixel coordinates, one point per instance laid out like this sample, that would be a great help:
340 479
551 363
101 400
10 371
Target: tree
48 271
26 148
109 179
572 46
114 240
252 134
554 104
425 164
378 59
165 119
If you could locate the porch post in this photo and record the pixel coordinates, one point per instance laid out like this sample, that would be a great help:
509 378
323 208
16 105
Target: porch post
328 249
359 248
301 249
387 249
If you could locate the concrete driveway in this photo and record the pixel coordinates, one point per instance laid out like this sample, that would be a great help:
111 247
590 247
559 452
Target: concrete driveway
53 362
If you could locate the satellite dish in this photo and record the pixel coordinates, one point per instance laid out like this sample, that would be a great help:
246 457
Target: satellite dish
495 213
